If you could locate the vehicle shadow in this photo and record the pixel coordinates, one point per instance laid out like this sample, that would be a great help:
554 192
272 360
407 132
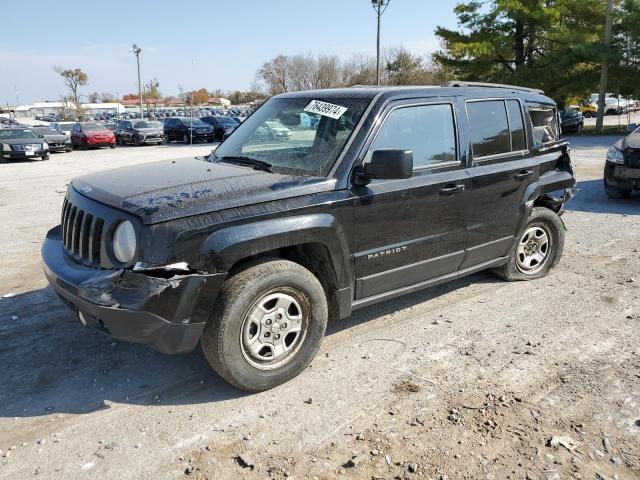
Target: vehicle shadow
52 364
592 198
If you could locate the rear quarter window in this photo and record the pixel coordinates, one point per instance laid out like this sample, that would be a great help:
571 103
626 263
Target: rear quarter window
544 119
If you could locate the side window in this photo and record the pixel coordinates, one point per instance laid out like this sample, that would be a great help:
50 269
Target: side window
545 123
427 130
489 128
516 125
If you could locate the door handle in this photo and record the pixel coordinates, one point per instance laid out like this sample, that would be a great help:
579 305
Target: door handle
523 174
451 189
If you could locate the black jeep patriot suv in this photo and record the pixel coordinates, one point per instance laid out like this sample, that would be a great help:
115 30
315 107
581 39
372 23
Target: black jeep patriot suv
377 192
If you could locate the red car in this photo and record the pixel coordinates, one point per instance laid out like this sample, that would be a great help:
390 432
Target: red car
92 135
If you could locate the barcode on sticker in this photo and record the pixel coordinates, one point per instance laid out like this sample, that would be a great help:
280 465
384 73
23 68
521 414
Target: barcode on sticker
325 109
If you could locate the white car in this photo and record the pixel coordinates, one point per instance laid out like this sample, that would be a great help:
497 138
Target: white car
63 127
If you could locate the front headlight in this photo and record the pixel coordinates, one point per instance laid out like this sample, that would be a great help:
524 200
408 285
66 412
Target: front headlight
124 242
45 146
615 156
5 147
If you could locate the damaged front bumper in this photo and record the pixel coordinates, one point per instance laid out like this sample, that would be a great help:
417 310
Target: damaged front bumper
162 308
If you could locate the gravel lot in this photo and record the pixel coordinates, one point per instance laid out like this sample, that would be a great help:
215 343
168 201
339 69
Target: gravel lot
474 379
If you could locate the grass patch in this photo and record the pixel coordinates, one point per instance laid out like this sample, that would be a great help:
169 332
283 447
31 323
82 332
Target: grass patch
606 130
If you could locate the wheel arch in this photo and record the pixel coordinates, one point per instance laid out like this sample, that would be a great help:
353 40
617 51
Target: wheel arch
316 242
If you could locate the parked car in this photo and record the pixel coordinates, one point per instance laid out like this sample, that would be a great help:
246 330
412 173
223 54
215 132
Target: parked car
587 109
622 167
57 141
22 143
63 127
139 132
571 120
221 126
92 135
251 250
275 130
188 130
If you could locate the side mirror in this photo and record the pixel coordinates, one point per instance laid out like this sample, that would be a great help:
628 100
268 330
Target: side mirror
388 164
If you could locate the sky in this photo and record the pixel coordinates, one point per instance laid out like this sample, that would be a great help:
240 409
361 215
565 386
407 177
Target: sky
193 43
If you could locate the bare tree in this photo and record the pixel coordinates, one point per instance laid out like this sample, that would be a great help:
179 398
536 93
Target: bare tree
152 92
275 74
74 78
359 69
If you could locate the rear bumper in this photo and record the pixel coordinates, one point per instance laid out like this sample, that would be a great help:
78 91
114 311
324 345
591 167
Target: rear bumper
166 313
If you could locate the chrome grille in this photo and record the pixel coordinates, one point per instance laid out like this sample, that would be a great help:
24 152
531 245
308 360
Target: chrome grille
81 234
22 148
633 158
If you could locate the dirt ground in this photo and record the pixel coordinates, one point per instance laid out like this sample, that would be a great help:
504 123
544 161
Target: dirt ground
477 378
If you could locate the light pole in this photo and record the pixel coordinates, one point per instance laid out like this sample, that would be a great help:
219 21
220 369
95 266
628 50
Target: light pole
379 6
136 50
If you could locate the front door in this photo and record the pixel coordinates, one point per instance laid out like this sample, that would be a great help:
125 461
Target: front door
409 231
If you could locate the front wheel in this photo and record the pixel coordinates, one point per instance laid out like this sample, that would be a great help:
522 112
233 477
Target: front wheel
539 247
185 138
267 325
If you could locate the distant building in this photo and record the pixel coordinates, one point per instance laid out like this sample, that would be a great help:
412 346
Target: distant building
223 102
46 108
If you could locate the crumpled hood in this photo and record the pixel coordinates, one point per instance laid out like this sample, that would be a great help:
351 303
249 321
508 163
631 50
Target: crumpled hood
162 191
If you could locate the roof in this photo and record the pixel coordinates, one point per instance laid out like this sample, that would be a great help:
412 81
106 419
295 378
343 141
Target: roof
371 92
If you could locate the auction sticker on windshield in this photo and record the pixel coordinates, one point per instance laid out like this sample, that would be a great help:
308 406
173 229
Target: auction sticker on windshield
326 109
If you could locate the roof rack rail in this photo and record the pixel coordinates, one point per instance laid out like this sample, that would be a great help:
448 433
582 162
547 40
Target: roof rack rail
458 83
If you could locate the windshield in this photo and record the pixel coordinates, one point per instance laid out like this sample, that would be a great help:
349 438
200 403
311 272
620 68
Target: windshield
65 127
296 136
193 122
46 131
147 125
16 134
92 127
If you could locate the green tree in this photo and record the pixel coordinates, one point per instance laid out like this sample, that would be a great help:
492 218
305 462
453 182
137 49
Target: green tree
555 45
624 75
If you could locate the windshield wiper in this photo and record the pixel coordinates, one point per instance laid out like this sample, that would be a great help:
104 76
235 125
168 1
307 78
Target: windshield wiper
248 161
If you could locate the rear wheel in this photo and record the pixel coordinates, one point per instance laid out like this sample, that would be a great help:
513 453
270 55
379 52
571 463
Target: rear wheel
539 247
185 138
267 325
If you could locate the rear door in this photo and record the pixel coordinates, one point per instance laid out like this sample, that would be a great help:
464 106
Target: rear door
412 230
503 167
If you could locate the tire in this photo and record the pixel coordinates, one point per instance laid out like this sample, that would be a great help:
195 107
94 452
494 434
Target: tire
68 149
119 140
44 157
185 138
579 128
226 335
520 265
136 141
113 145
615 192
